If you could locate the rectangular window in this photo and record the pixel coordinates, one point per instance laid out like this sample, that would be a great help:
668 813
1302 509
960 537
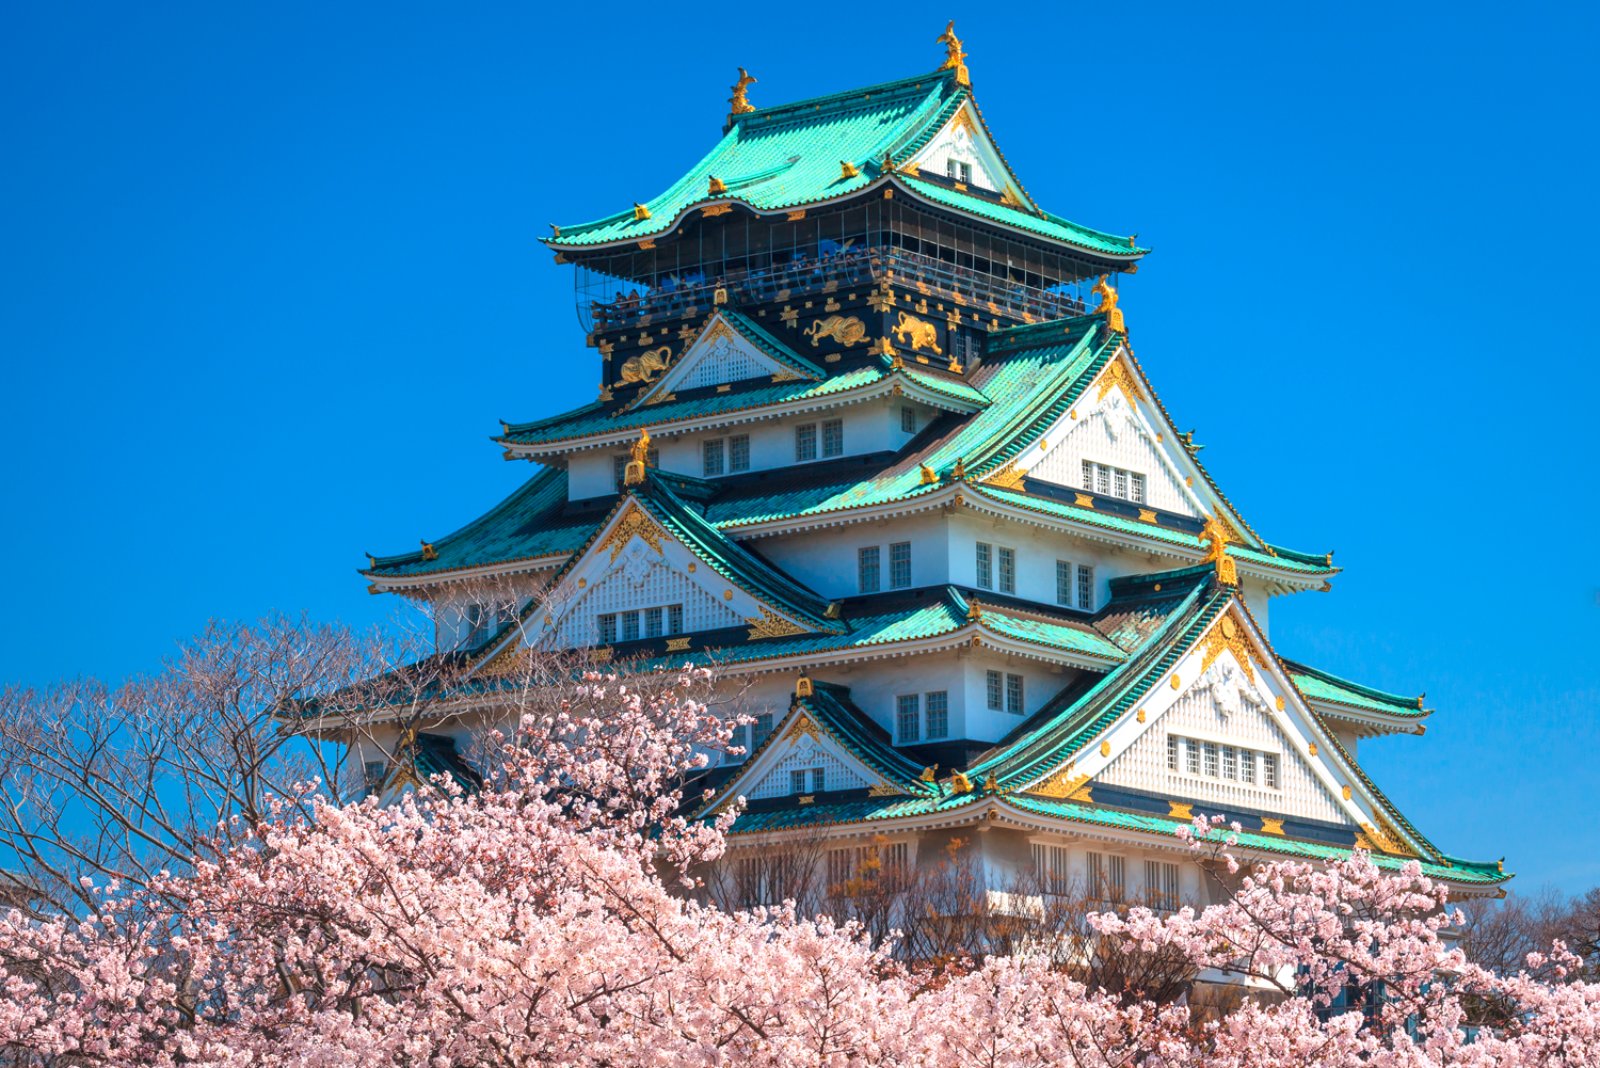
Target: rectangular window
818 782
900 565
1050 867
985 566
739 452
1108 878
1210 750
652 622
805 442
1064 585
1014 694
1119 483
1230 762
1269 770
607 628
1086 587
1161 885
1136 488
937 713
630 626
867 569
1191 756
1247 767
996 686
1007 561
797 781
1088 475
1172 752
907 718
833 437
674 619
1102 479
908 419
713 456
1113 481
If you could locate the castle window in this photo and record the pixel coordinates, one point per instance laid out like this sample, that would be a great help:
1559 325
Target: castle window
1269 770
1209 749
1191 752
1230 762
995 684
760 729
1014 694
652 622
674 619
805 442
833 437
630 626
867 569
1108 878
1172 752
908 419
908 718
1086 587
1161 885
606 625
899 565
937 723
1050 867
958 171
713 456
1007 559
1111 481
739 452
985 566
800 778
1064 584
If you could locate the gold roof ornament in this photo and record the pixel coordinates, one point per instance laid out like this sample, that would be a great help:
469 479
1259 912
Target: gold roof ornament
1108 305
888 163
739 103
960 468
715 187
991 785
803 687
954 57
974 611
959 783
928 475
428 551
1215 534
372 561
847 170
639 460
555 231
640 212
929 773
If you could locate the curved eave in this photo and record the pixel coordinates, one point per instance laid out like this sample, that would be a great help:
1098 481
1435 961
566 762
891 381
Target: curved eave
1368 722
864 186
484 571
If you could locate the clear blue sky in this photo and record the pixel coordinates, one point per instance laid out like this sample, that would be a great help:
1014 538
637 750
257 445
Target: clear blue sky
268 276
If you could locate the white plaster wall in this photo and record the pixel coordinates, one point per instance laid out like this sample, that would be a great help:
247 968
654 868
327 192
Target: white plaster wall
1256 596
1110 432
826 561
875 685
1040 682
1037 552
1008 859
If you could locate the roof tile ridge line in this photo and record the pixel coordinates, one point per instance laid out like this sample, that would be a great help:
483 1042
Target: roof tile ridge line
525 428
1149 647
1194 457
782 351
904 765
704 525
846 95
1023 330
915 140
1062 380
1344 754
545 472
1303 668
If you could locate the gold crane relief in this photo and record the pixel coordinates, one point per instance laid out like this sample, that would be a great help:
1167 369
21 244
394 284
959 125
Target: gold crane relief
645 366
846 330
910 330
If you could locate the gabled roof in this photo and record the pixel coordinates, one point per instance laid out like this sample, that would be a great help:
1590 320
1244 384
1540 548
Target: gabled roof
781 159
1323 688
784 360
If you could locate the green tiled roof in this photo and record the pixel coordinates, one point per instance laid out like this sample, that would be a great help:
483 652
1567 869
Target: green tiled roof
783 158
1321 686
526 525
763 339
831 706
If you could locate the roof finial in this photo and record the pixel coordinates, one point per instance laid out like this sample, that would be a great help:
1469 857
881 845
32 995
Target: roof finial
640 212
1215 534
954 58
1108 305
740 103
633 474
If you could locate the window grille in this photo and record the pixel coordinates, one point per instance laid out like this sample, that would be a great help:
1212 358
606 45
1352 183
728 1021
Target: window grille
907 718
1161 885
797 781
908 419
985 566
833 437
630 626
1050 867
760 729
739 452
607 627
1230 762
1086 587
1113 481
899 565
1064 585
1088 475
1172 752
996 691
1191 753
713 456
1007 559
1210 750
805 442
1107 878
1014 694
1119 483
1136 488
867 569
1269 770
1247 767
652 622
674 619
937 715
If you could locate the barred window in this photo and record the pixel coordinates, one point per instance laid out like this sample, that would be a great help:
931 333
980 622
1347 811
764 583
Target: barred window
1161 885
1191 756
1086 587
899 565
805 442
739 452
985 566
1172 752
833 437
1269 770
1007 559
1108 879
713 456
937 715
760 729
1230 762
674 619
1210 750
1014 694
908 718
1064 584
1136 488
652 622
607 627
1111 481
867 569
996 686
630 626
908 419
1050 865
1247 767
797 781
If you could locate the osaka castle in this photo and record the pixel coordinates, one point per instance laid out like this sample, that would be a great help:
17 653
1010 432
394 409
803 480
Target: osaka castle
871 441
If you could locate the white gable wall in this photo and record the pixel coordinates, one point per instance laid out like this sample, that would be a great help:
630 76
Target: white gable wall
1111 432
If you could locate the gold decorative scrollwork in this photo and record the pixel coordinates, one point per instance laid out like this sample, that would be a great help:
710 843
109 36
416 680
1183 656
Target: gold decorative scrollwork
1227 634
1118 375
803 725
846 330
1063 784
771 625
633 523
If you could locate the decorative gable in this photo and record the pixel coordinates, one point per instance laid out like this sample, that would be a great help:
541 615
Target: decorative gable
962 151
805 746
724 353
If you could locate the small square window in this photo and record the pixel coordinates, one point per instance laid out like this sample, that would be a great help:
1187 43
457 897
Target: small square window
739 452
995 687
713 455
900 565
805 442
833 437
937 722
907 718
867 569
